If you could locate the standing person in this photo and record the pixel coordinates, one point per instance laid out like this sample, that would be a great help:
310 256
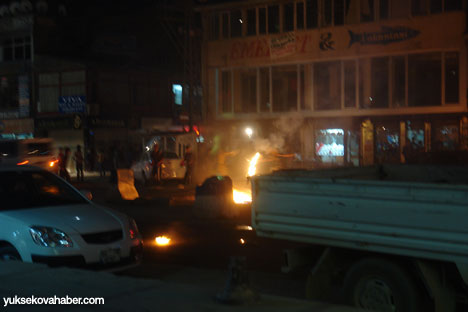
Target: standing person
60 158
113 162
188 162
100 160
63 161
156 159
79 160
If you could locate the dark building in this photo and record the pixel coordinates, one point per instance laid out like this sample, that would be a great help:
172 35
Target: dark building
93 73
342 82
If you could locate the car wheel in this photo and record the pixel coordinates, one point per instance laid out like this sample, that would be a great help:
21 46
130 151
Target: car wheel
9 253
381 285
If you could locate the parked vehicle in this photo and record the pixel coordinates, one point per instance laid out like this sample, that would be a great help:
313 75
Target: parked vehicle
388 238
43 219
36 152
173 147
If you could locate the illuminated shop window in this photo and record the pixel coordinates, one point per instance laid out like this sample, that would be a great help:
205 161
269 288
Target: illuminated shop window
177 90
387 143
329 144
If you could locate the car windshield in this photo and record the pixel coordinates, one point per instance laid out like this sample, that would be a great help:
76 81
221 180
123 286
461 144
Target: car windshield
35 189
39 149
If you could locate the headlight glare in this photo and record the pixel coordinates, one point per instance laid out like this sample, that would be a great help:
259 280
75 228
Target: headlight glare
50 237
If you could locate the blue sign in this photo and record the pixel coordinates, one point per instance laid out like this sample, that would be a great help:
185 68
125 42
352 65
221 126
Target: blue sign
72 104
386 36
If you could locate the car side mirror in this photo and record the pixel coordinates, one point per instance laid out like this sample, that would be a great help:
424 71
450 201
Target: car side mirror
87 194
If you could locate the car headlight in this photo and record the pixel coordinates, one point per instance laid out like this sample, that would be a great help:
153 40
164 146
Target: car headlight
50 237
133 229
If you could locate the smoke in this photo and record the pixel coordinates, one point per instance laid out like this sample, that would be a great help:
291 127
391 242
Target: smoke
285 128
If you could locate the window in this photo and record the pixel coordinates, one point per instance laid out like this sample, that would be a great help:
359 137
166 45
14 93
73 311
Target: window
327 85
452 5
367 10
302 87
387 143
265 105
398 81
48 92
338 12
9 92
326 13
379 81
383 9
451 77
262 21
225 25
284 79
15 49
419 7
273 19
373 82
446 135
245 95
214 26
177 91
424 79
300 15
350 83
236 23
251 22
311 14
226 94
288 17
436 6
399 8
352 11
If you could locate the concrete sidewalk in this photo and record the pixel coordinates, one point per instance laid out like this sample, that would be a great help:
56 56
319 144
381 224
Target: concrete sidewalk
122 293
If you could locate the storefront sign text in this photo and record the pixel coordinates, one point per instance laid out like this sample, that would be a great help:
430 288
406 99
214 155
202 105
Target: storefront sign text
386 36
72 104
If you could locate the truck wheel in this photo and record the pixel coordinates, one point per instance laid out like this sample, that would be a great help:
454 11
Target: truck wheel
9 253
380 285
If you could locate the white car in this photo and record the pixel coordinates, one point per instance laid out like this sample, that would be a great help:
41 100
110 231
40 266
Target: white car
44 219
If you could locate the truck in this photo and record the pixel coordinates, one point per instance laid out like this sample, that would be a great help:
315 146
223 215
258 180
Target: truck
384 238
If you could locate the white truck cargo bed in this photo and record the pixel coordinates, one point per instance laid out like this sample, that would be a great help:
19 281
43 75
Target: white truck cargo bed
417 211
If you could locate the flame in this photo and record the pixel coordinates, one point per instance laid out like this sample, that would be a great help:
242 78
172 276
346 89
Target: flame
241 197
253 165
162 240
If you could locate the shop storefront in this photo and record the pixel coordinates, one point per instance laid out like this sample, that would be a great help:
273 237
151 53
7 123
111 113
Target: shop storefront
17 128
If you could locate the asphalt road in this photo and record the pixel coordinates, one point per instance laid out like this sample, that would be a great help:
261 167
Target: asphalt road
202 246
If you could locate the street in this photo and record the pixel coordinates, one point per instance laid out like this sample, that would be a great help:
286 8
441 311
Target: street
201 246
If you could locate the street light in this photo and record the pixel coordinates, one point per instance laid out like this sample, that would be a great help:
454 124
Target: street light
249 132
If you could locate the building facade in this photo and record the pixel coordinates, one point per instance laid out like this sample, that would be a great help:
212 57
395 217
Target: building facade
94 74
342 82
